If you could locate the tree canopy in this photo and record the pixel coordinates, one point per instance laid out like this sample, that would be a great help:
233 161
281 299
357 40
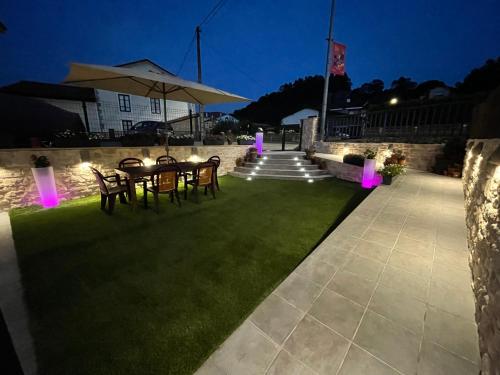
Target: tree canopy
307 92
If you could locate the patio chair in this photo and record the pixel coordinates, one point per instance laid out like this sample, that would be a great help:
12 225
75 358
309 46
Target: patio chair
203 176
133 162
109 193
164 181
166 159
215 159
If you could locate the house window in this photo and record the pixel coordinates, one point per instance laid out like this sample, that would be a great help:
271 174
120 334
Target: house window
126 125
155 106
124 101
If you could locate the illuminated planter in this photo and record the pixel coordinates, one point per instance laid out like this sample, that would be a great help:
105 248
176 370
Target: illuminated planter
259 142
368 173
46 184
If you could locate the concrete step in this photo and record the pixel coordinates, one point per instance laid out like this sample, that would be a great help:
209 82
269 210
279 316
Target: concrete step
283 156
294 167
284 161
280 172
280 177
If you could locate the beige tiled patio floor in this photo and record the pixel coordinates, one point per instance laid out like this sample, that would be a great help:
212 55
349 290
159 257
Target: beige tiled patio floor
388 292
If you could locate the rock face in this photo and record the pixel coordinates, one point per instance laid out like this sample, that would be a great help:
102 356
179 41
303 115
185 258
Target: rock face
481 180
74 179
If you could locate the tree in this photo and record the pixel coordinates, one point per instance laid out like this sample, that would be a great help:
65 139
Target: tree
403 84
483 79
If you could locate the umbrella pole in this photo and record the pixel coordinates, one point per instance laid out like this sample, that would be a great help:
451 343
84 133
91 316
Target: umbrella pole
165 118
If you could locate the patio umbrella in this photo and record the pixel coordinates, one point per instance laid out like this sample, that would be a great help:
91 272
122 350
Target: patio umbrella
150 84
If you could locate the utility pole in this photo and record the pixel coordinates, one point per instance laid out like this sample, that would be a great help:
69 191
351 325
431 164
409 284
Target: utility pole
201 108
327 74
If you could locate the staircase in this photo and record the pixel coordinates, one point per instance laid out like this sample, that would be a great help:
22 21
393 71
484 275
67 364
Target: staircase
281 165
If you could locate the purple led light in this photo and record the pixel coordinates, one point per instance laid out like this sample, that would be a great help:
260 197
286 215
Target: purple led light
259 142
368 173
46 185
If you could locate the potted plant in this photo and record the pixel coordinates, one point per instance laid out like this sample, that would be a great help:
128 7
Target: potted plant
369 166
397 157
245 140
181 140
214 139
389 171
45 181
309 153
251 155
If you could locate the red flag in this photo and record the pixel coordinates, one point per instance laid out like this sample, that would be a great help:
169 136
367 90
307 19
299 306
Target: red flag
337 59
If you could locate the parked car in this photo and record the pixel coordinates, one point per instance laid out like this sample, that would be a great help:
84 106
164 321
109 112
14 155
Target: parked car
151 127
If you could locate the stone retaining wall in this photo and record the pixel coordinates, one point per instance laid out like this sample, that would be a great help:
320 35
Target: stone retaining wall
74 179
418 156
481 178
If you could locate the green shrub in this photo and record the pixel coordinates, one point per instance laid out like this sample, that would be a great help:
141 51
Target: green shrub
354 159
392 170
369 154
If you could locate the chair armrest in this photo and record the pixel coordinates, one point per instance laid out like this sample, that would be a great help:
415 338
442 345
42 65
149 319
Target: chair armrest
113 178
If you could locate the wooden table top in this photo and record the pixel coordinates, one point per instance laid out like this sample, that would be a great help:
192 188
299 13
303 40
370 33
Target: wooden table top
148 170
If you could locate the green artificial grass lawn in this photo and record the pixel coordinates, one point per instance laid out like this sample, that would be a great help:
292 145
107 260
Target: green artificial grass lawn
141 293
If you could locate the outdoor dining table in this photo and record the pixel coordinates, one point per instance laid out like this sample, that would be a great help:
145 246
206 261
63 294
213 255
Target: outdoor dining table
133 173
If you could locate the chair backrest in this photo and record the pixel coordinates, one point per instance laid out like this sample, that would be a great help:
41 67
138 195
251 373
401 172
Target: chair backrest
166 179
215 159
100 180
166 159
130 162
204 173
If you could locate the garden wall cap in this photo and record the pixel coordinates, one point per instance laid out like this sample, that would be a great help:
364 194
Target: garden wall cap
495 157
476 150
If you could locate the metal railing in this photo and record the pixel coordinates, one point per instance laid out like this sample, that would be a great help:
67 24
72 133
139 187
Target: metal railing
442 119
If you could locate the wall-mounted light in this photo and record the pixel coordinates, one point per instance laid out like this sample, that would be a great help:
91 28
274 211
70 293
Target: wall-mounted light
85 162
393 101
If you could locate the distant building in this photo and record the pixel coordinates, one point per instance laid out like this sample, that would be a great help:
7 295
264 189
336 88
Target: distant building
102 110
227 118
295 118
439 92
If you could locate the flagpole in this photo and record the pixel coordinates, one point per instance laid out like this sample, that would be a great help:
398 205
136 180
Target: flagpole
327 74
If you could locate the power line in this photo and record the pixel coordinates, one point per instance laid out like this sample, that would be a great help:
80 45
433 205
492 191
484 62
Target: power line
234 66
184 59
212 12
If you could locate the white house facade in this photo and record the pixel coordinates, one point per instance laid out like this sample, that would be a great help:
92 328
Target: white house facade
102 110
295 118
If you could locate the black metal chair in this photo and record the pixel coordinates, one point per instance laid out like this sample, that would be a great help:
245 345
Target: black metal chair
216 160
166 159
203 176
163 181
109 193
133 162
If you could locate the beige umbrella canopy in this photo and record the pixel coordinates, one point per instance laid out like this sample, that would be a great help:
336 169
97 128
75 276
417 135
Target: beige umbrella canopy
150 84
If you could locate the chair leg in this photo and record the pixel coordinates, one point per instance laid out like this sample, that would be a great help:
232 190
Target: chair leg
123 200
171 194
194 192
217 182
103 201
177 196
206 187
212 189
185 188
157 202
111 203
145 197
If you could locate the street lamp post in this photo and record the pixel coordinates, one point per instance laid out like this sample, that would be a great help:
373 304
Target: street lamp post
327 73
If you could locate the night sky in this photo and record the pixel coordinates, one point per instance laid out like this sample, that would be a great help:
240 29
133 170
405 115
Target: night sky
251 47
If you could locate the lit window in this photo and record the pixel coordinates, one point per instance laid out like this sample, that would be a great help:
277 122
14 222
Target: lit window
124 102
155 106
